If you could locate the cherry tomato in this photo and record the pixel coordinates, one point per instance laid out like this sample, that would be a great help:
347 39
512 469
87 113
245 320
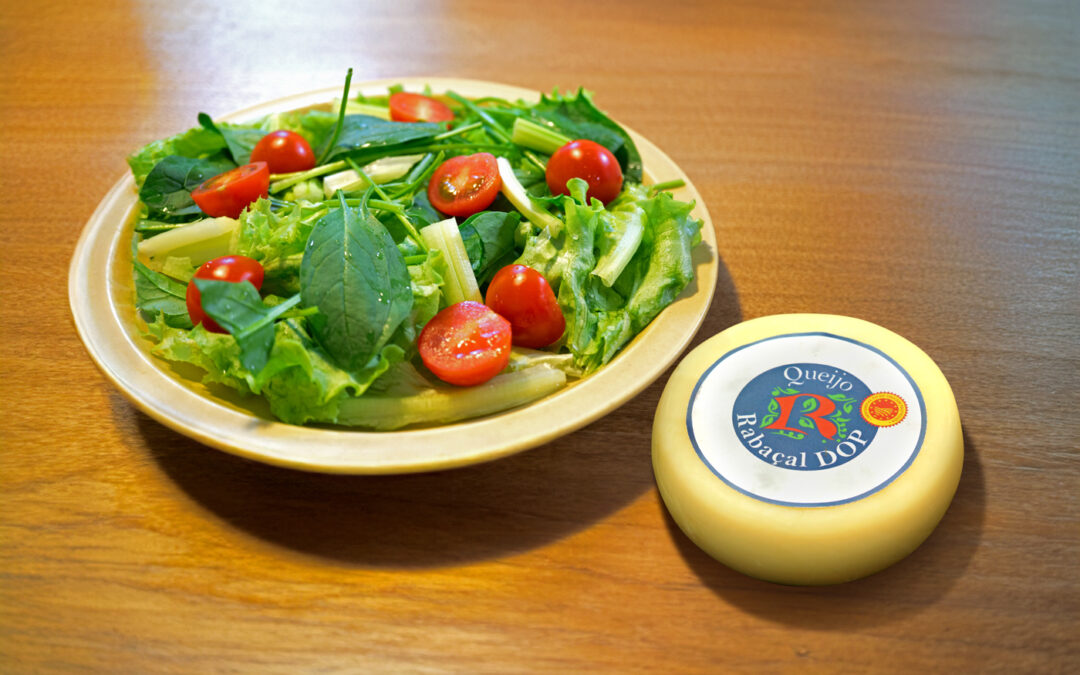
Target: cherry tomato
522 295
284 152
229 193
234 268
465 344
465 185
408 107
589 161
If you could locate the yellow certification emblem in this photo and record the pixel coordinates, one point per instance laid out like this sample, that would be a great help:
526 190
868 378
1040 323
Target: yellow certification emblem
883 409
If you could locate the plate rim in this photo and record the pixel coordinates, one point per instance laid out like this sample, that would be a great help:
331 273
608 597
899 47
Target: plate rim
211 422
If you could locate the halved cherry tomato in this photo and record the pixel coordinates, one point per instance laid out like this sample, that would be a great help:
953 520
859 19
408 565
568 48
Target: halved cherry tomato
408 107
465 185
234 268
229 193
284 152
589 161
523 296
465 344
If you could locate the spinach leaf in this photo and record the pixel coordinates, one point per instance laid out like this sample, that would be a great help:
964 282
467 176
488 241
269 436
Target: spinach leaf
364 132
167 188
239 140
197 142
155 292
489 242
577 117
238 308
355 274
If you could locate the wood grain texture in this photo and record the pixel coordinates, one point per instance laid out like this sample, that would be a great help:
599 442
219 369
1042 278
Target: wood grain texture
913 164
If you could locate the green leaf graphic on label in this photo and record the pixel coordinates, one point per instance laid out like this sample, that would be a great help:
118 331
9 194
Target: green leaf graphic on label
806 422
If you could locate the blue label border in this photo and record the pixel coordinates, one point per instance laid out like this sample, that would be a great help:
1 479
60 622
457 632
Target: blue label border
885 483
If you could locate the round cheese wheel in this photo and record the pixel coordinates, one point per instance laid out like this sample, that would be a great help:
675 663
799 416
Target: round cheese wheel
806 448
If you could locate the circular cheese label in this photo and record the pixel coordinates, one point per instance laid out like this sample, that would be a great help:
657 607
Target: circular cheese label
806 419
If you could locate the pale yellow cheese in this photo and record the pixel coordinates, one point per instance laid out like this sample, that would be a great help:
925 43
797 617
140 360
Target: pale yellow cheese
806 544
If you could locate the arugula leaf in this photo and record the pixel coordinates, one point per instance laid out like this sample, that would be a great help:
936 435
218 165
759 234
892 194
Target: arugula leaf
577 117
239 140
155 292
167 188
364 132
355 274
489 242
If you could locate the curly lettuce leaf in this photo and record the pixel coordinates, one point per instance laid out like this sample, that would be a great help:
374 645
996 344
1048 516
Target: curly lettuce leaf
300 381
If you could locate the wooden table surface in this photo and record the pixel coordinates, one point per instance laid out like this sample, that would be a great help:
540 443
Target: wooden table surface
913 164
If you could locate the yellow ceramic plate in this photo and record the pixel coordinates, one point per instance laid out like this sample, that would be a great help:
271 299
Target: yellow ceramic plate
101 292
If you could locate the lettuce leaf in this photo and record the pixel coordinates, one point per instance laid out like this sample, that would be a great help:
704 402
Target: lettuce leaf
300 381
604 312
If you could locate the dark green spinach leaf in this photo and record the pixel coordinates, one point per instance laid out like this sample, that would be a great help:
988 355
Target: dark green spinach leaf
489 242
197 142
238 308
364 132
239 140
167 188
355 274
155 292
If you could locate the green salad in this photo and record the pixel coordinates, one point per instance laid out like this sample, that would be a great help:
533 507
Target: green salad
408 258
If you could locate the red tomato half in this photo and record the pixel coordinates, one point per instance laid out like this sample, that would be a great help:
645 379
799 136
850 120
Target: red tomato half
284 152
234 268
229 193
522 295
590 162
465 344
408 107
465 185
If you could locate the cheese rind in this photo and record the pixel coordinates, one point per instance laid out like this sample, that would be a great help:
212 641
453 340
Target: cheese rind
806 525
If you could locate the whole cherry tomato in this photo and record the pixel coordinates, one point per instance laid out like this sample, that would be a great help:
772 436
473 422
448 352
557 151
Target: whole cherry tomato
465 185
589 161
284 152
229 193
523 296
234 268
465 344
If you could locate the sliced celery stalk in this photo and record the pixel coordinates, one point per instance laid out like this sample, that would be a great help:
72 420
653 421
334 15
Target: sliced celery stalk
537 137
200 241
444 405
523 357
356 108
515 192
445 237
380 171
